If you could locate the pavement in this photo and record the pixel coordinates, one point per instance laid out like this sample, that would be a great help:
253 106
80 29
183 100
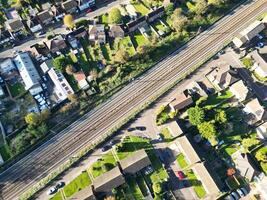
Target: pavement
61 29
95 125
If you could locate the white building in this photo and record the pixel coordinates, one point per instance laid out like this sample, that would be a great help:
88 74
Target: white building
6 66
28 73
260 66
239 90
254 108
61 86
262 131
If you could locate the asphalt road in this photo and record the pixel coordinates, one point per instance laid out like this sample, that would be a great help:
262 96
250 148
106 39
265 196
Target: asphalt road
91 127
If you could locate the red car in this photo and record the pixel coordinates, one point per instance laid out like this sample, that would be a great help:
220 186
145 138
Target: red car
180 175
89 10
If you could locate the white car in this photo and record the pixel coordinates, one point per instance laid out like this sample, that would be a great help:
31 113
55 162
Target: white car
51 191
239 191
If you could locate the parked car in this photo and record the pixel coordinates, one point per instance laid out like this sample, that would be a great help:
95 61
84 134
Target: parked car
89 10
241 194
229 197
105 148
130 129
180 175
244 190
60 185
141 128
52 190
148 170
260 45
235 195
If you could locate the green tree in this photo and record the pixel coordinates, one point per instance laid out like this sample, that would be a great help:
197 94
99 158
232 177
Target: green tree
247 62
18 144
215 2
261 155
115 16
73 98
32 118
143 49
249 142
264 166
122 56
2 18
157 187
70 69
179 21
60 63
196 115
169 9
220 116
201 7
45 114
207 130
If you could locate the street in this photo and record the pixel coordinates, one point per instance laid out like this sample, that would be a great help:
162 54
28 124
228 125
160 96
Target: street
52 154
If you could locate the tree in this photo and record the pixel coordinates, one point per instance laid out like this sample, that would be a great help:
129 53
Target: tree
172 114
45 114
157 187
215 2
201 7
196 115
179 21
122 56
69 21
221 116
115 16
73 98
169 9
18 4
94 74
230 171
60 63
249 142
70 69
247 62
2 19
207 130
264 166
143 49
32 118
261 155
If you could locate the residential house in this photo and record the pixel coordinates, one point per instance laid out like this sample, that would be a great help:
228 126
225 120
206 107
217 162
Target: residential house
39 51
187 150
61 87
58 12
81 80
84 4
155 14
45 17
70 6
15 27
255 109
28 73
261 186
262 131
174 129
181 101
244 165
97 33
260 65
196 88
240 40
5 37
12 13
209 182
134 25
135 162
248 33
239 90
34 25
9 71
116 31
131 11
108 181
56 44
84 194
222 77
74 36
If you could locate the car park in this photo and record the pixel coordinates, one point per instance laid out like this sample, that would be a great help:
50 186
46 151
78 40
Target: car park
52 191
235 195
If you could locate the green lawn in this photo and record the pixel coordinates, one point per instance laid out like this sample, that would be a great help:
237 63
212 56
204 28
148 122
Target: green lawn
57 196
197 185
104 164
16 89
127 44
136 192
141 8
139 39
106 51
165 132
5 152
73 57
79 183
216 99
84 63
72 82
181 161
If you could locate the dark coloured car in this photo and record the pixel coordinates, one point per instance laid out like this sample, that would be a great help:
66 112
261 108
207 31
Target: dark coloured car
60 185
141 128
130 129
105 148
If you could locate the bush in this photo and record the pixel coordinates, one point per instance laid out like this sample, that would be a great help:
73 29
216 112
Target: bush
82 22
247 62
